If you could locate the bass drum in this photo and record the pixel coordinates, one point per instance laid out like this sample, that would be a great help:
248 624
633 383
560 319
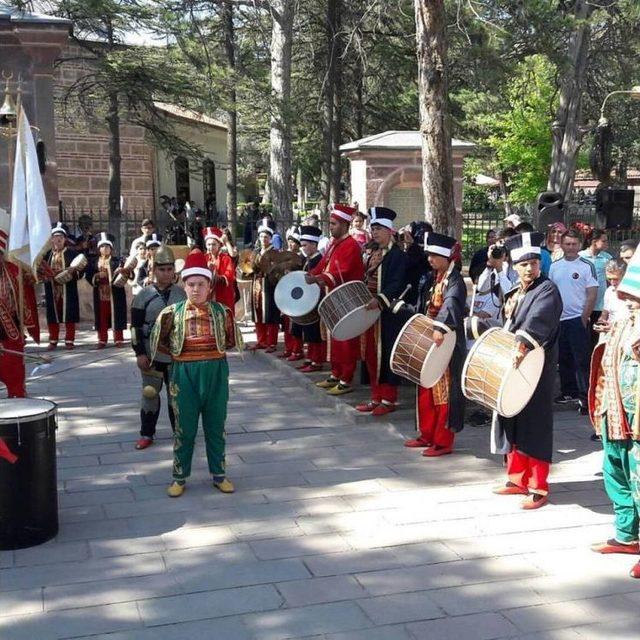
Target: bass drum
297 299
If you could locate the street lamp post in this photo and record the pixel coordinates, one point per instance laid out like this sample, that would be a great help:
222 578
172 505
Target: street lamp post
634 92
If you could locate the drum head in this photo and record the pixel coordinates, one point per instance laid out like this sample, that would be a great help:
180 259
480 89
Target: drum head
437 360
294 296
355 323
14 410
519 384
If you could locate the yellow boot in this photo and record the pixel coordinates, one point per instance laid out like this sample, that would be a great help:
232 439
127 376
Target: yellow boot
176 489
226 486
329 383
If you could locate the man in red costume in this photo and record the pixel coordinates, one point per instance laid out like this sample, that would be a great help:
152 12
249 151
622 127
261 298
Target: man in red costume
221 265
341 263
11 334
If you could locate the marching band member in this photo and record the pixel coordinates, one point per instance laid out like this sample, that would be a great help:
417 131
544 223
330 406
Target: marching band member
196 333
223 269
11 334
264 311
145 308
531 311
341 263
63 306
440 409
310 334
614 410
109 302
386 277
293 345
145 270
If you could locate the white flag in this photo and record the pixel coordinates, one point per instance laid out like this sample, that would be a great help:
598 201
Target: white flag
30 230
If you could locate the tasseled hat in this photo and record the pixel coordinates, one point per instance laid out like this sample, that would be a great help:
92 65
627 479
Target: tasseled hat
5 225
154 240
630 283
267 225
213 232
342 212
524 246
382 216
196 265
58 227
439 244
105 239
310 233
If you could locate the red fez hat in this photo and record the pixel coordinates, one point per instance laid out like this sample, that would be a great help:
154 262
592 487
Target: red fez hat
342 212
196 265
212 232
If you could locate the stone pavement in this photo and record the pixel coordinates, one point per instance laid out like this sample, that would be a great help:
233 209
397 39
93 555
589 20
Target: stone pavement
335 532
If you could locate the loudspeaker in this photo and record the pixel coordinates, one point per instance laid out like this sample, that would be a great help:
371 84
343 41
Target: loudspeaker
614 208
550 209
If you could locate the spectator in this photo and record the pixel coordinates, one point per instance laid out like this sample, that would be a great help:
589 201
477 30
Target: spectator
614 308
576 280
596 253
479 259
627 249
553 241
358 230
147 227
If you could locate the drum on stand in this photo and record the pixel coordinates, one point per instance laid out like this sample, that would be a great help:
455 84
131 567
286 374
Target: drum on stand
28 494
415 355
489 378
343 310
297 299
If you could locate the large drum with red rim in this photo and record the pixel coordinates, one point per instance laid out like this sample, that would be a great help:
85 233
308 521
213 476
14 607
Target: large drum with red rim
343 310
415 355
489 378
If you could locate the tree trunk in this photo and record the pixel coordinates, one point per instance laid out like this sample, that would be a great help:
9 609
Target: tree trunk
282 12
336 137
232 119
115 179
437 165
567 134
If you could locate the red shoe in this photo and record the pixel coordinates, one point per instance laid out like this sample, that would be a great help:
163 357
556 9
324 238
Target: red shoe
613 546
534 501
271 349
310 368
52 346
284 354
383 408
294 357
416 443
257 346
510 489
366 407
435 451
144 443
101 345
69 346
306 363
635 570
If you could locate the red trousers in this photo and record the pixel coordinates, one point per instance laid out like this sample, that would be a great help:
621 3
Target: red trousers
12 369
380 391
105 321
317 352
267 334
527 472
292 344
344 358
69 332
432 420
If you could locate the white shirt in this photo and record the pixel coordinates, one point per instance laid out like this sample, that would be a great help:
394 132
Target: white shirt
616 308
488 300
573 278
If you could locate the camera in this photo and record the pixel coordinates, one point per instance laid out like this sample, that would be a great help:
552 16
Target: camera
498 252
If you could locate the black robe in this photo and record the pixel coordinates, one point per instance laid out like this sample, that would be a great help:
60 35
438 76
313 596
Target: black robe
309 333
451 314
118 296
536 322
392 280
70 301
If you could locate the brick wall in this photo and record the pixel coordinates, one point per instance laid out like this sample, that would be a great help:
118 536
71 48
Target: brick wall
82 147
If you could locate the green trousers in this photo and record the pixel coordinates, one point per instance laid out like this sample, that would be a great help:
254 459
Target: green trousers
199 389
620 468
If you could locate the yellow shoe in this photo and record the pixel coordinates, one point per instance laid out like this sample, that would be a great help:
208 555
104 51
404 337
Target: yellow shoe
340 389
226 486
176 489
329 383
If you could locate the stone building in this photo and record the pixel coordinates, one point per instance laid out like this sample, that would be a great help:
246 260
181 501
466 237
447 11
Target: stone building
386 170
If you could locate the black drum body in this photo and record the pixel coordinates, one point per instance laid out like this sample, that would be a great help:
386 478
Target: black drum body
28 487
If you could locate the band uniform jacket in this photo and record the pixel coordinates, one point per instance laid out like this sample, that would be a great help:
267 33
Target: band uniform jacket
308 332
392 279
70 300
263 302
536 322
118 294
451 314
341 263
145 309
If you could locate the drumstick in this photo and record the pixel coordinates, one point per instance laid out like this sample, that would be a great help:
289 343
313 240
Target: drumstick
404 293
28 356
